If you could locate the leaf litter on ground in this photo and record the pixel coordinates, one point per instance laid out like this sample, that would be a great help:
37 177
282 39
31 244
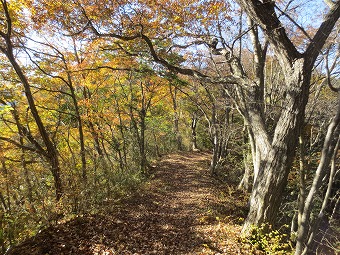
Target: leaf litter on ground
181 210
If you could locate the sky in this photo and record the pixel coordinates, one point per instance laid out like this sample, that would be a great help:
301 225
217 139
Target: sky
308 12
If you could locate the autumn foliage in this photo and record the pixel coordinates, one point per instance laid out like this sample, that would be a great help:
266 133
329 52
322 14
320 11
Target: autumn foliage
93 93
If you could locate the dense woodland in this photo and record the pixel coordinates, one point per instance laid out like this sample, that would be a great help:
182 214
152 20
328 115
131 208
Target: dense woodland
94 92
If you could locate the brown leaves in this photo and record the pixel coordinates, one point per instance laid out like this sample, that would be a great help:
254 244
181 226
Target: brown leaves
169 216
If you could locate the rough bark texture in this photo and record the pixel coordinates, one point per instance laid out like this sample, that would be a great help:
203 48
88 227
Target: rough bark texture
274 157
274 154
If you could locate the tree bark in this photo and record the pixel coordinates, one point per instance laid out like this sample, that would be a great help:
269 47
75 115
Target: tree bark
51 151
173 93
330 143
80 129
194 120
274 154
22 156
246 179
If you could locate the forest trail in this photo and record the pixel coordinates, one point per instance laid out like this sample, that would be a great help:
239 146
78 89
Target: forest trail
181 210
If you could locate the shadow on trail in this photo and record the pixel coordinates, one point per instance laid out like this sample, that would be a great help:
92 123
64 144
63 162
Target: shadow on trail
163 219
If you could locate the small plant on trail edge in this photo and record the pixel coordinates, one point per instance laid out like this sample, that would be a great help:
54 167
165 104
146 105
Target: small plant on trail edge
268 241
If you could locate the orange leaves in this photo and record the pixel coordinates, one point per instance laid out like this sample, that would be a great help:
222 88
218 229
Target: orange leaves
184 13
125 17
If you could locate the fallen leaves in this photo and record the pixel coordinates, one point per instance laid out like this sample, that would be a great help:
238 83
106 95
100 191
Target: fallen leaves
180 211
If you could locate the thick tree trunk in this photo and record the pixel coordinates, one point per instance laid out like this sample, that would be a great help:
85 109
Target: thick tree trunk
274 157
274 154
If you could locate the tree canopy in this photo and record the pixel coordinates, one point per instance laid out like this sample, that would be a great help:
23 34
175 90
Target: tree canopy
93 92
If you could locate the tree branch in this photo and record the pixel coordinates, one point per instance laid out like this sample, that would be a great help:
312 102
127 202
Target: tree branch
19 145
185 71
263 13
322 34
294 22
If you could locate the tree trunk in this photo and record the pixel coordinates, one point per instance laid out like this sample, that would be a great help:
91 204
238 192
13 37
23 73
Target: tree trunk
274 154
214 159
305 231
274 158
80 131
246 179
173 93
22 156
194 120
51 152
215 140
144 162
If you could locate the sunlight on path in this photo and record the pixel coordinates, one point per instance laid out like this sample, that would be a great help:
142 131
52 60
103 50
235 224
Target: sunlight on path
181 210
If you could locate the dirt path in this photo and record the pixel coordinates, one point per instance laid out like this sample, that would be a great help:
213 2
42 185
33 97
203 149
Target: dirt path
181 211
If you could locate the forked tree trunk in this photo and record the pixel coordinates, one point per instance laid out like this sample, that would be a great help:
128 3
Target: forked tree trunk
273 156
51 151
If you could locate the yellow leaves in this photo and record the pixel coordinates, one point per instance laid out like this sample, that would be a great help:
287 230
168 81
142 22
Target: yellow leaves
47 14
18 15
5 109
178 19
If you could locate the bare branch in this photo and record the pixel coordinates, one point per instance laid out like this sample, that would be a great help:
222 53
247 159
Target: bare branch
20 161
322 34
185 71
329 70
294 22
51 90
56 110
263 13
95 68
18 144
186 45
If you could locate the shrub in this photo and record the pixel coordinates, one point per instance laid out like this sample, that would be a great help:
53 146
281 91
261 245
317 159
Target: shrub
269 241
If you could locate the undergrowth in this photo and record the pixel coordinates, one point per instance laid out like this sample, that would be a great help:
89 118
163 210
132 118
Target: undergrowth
268 240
